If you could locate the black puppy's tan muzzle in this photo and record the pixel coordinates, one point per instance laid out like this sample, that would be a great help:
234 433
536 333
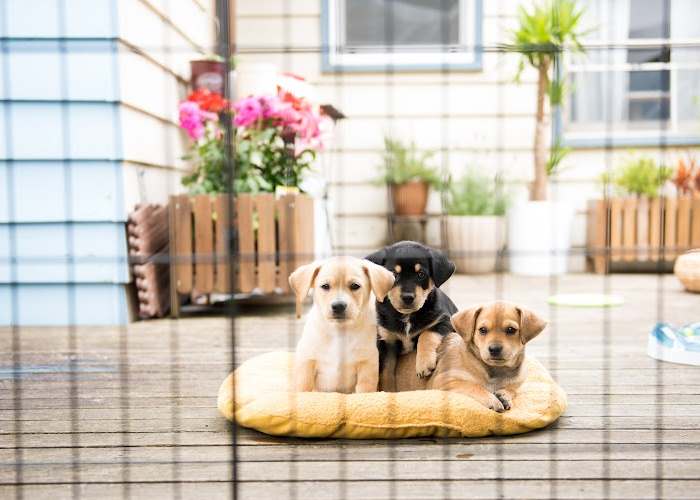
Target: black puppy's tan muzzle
408 298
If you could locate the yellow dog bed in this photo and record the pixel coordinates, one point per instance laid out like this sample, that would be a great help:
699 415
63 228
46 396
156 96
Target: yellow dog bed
265 403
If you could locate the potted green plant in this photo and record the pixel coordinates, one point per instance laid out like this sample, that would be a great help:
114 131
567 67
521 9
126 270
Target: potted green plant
539 229
476 207
641 177
409 176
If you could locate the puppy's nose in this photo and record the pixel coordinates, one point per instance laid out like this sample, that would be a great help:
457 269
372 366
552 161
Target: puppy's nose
408 298
495 349
339 307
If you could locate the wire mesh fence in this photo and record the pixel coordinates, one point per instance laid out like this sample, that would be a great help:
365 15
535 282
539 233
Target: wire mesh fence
125 196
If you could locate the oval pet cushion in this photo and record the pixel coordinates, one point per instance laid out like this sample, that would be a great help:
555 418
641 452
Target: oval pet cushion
265 403
687 269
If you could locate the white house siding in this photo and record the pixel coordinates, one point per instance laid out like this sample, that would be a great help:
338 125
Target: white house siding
479 118
88 129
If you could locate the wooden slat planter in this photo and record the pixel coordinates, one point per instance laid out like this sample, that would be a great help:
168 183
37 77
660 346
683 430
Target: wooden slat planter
274 237
641 230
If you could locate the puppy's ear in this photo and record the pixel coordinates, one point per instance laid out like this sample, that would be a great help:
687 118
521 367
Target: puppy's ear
530 324
301 281
378 257
464 322
380 279
441 267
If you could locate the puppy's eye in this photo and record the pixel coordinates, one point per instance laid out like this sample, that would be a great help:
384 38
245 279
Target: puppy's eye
511 330
326 286
354 286
483 330
421 275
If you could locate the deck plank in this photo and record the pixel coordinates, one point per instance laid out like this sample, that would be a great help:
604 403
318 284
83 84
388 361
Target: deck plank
629 416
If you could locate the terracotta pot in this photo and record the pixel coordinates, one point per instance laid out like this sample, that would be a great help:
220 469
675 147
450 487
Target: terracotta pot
208 74
410 198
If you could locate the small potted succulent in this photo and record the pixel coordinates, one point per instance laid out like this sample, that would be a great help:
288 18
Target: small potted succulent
476 229
409 176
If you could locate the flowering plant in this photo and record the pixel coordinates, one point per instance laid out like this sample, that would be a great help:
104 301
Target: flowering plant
276 139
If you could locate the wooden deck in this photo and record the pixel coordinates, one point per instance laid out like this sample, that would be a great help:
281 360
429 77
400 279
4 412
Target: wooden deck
117 413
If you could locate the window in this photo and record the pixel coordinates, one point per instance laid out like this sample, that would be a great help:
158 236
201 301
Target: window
378 35
640 77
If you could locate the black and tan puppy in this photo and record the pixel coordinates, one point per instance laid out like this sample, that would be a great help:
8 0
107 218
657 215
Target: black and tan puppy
415 315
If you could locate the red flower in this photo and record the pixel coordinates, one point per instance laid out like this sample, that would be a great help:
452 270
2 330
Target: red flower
208 100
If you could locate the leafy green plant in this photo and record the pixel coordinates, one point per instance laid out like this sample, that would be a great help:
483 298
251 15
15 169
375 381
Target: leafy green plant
557 153
639 176
542 35
404 163
475 194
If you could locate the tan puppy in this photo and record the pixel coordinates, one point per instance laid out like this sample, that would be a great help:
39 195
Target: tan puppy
483 360
337 351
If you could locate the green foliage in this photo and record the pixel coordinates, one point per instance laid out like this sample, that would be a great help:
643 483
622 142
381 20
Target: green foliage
639 176
476 194
262 162
545 31
557 153
404 163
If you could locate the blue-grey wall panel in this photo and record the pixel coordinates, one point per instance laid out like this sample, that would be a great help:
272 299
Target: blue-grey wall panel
65 253
38 131
42 18
43 70
53 191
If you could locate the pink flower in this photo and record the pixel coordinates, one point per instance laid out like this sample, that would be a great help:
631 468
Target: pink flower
192 119
248 111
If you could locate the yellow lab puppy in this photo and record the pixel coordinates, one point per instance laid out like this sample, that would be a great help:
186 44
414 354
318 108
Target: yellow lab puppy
337 351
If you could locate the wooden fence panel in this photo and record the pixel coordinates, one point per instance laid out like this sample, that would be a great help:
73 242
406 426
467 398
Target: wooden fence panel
670 229
695 221
265 206
629 229
598 210
683 236
616 229
182 249
222 229
284 237
203 245
304 230
643 229
246 243
655 228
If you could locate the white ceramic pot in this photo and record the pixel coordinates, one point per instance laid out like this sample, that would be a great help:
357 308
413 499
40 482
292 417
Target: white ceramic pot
474 242
539 237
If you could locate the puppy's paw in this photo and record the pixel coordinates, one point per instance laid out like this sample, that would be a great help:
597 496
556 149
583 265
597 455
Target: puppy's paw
494 403
425 364
505 398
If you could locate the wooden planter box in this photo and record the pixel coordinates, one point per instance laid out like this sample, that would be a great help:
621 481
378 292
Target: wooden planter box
274 236
641 230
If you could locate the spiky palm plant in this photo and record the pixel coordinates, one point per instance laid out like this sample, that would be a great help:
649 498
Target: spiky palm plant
544 32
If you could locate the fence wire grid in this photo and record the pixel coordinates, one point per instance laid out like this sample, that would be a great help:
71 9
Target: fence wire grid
97 405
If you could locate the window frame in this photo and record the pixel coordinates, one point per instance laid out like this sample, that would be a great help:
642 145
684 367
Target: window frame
332 61
630 133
